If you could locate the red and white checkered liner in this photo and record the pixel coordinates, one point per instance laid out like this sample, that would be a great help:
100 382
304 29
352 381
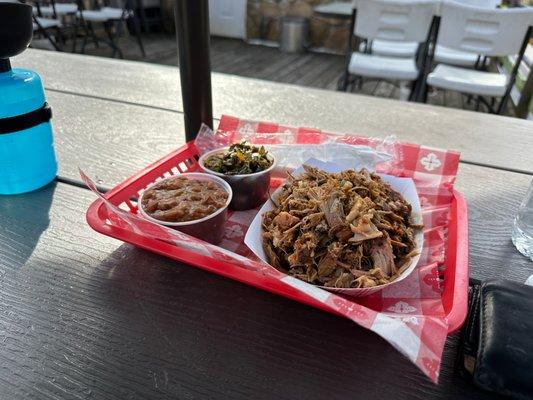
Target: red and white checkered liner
409 315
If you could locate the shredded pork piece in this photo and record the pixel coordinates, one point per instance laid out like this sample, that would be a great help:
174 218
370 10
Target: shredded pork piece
343 230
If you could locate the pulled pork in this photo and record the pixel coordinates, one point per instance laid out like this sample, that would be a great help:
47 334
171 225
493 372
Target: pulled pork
343 230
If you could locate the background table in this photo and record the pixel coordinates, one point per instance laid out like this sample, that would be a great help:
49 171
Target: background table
85 316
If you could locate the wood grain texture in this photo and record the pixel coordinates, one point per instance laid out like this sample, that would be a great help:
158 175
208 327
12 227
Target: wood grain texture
475 135
113 147
493 199
112 140
233 56
85 317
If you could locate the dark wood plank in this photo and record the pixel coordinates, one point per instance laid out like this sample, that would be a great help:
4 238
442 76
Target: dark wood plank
476 135
273 69
295 70
239 58
329 75
258 63
83 316
311 75
235 61
223 49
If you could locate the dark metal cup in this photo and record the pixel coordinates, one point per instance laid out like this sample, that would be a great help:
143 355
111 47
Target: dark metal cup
210 228
249 190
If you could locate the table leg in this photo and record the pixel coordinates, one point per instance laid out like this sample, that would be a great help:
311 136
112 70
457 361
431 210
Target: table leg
142 13
137 31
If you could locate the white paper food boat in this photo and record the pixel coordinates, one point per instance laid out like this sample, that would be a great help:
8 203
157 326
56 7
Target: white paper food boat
404 186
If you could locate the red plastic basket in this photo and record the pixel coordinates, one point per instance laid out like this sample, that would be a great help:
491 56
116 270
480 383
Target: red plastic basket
184 159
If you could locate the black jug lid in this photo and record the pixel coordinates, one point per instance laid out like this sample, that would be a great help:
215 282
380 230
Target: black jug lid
16 30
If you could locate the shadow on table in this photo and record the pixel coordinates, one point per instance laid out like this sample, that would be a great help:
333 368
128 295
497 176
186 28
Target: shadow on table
228 335
23 219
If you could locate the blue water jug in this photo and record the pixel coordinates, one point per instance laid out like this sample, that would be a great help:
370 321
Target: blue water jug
27 159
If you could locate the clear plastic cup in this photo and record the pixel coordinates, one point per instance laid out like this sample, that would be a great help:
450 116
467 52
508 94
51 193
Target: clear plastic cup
522 235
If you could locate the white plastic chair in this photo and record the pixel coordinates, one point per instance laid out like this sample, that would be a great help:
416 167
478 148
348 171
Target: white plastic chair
395 21
59 9
409 49
442 54
45 23
43 26
445 55
104 14
108 17
390 49
493 33
66 13
488 4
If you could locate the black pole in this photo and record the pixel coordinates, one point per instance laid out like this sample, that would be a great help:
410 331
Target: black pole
344 83
192 33
420 88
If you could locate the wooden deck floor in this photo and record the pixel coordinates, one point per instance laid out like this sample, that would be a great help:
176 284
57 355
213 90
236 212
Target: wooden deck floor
236 57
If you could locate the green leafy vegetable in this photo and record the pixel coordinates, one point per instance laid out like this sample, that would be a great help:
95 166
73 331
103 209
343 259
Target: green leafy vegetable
241 158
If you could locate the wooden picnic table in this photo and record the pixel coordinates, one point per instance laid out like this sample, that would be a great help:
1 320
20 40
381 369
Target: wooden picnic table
84 316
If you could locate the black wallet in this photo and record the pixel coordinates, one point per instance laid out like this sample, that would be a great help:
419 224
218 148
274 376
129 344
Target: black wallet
497 342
